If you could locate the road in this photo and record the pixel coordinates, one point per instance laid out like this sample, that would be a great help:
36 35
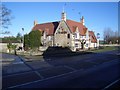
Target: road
97 70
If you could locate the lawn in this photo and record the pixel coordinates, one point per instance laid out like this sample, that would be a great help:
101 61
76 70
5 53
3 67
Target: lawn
106 48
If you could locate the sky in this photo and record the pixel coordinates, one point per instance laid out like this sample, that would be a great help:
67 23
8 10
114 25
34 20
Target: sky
97 15
60 0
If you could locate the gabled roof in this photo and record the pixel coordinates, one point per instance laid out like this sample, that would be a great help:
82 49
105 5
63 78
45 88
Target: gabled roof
48 27
52 26
93 37
73 24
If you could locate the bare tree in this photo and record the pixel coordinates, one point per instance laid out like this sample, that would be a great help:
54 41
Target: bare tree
106 34
111 36
5 18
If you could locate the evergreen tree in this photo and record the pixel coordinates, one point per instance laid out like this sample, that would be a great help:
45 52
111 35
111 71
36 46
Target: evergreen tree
26 41
33 39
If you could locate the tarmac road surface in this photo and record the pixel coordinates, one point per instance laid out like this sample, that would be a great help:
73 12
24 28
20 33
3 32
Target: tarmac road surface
99 70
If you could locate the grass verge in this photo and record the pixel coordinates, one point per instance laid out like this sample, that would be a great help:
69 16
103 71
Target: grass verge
106 48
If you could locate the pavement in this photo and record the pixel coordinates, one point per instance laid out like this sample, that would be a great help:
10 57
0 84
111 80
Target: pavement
60 70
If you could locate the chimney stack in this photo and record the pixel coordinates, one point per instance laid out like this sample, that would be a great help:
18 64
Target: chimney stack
82 20
63 16
35 22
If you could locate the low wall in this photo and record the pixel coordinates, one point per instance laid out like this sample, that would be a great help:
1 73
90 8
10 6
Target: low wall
3 46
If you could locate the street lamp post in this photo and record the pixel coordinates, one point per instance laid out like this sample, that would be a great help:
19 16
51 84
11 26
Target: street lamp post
98 42
23 40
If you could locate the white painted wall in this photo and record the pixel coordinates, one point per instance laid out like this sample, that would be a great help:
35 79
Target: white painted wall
93 45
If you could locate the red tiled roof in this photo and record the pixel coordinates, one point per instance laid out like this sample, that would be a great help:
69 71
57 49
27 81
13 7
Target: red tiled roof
52 26
73 24
93 37
48 27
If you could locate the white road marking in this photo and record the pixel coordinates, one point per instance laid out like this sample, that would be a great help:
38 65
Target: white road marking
41 79
27 72
70 68
36 72
20 62
39 74
7 59
45 78
18 73
111 84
